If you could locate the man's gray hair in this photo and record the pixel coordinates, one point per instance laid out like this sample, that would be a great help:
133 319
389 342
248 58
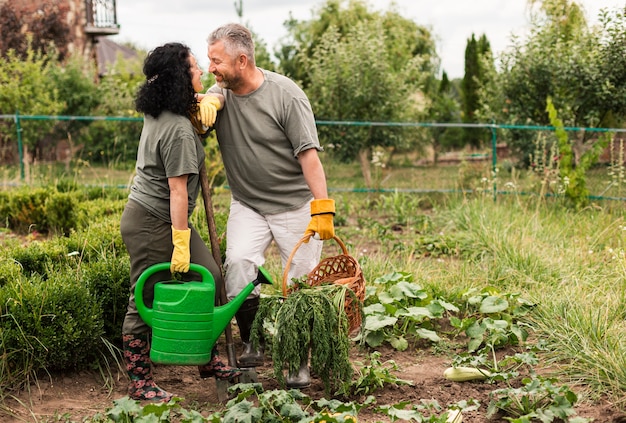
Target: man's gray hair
237 40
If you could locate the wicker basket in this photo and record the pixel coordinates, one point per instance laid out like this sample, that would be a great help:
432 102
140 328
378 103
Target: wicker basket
342 269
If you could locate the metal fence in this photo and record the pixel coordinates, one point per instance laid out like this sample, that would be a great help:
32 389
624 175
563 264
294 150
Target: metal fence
496 185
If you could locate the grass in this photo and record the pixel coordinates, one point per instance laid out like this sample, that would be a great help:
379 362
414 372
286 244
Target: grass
570 263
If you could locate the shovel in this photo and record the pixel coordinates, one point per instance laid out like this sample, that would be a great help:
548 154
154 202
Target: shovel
217 256
249 375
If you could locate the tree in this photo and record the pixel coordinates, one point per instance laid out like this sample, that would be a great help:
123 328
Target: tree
25 88
445 108
477 54
353 80
580 68
116 141
357 65
403 39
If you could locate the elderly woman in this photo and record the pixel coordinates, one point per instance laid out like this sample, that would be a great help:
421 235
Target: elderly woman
155 223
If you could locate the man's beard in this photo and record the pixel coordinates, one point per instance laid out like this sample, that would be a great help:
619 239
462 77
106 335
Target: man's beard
229 83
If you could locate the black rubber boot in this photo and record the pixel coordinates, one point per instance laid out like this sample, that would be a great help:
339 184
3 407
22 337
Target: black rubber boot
301 379
245 317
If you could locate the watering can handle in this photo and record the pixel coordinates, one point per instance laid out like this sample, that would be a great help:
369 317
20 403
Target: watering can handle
145 312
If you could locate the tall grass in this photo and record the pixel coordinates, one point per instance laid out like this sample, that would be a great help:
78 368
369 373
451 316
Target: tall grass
571 264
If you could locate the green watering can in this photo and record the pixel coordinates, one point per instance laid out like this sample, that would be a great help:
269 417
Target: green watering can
184 319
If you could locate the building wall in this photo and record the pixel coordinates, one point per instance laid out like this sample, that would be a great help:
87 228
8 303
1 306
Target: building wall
71 13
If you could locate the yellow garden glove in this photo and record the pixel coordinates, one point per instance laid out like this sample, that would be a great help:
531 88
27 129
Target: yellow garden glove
322 212
181 255
209 105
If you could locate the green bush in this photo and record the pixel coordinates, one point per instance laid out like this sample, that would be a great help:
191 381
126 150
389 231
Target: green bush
108 281
105 193
27 210
54 324
37 258
10 270
101 239
63 213
99 208
59 209
5 199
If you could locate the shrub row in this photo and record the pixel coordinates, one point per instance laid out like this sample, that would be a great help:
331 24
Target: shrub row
62 298
57 209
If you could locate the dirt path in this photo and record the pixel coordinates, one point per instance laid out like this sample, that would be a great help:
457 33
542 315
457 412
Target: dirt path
70 398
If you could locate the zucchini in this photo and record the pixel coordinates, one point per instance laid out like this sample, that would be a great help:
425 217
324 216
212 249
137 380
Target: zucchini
348 418
454 416
463 374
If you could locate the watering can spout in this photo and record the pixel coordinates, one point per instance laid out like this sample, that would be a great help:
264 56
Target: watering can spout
223 314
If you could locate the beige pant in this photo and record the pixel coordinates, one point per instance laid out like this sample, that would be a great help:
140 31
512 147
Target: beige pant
249 234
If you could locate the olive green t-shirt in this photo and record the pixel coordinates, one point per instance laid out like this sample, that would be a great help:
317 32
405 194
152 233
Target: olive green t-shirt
260 135
168 147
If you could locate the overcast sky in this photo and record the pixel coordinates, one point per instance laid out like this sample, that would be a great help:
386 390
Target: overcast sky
149 23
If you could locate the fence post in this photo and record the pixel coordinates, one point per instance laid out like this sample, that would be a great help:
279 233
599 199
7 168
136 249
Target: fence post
494 158
20 150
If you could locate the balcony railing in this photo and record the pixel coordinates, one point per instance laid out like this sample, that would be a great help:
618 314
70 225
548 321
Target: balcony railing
101 17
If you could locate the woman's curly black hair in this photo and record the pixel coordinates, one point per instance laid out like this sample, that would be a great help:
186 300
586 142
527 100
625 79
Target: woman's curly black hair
168 83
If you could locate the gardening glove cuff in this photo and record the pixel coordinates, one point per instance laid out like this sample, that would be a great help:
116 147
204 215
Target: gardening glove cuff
181 255
322 213
208 107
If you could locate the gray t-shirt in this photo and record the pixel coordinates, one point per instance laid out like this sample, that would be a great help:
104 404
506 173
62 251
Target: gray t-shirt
168 147
260 135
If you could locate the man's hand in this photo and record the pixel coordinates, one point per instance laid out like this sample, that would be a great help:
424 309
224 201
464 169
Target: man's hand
181 256
209 105
322 212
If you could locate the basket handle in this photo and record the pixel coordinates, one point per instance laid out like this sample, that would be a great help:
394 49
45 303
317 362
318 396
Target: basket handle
293 253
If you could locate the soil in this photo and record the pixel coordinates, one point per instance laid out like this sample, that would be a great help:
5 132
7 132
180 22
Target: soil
72 397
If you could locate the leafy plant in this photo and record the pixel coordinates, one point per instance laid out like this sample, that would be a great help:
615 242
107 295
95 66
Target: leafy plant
432 409
306 322
506 369
126 410
493 319
538 399
398 310
284 406
372 377
572 173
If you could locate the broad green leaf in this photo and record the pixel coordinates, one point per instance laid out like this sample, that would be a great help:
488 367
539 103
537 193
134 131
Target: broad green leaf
374 339
377 322
437 307
428 334
403 290
474 344
455 322
243 412
374 309
405 415
417 314
399 343
475 331
493 305
386 297
292 411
